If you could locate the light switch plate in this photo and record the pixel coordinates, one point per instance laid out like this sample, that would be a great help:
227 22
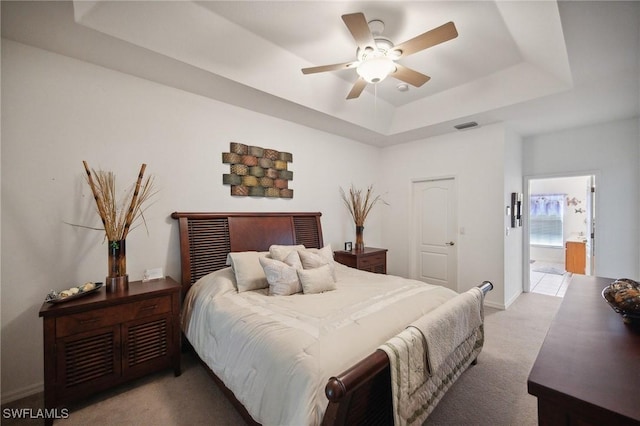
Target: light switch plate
152 274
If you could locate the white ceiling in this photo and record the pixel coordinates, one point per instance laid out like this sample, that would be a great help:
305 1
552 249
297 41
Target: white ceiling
540 66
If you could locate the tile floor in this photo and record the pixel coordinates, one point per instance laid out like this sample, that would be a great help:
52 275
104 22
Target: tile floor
550 284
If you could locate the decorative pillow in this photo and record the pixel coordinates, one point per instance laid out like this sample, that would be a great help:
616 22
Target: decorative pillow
282 277
247 270
293 259
257 254
325 252
323 256
279 252
316 280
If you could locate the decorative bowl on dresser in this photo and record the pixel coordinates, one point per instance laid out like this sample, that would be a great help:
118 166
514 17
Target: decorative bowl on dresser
104 339
623 295
370 259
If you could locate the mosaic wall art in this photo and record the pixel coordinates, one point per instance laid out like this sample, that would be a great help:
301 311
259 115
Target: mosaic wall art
257 172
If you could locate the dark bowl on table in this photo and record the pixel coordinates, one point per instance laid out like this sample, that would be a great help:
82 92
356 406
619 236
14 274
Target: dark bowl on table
623 295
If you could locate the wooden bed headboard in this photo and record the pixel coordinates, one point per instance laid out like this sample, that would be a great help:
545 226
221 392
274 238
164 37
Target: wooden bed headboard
207 238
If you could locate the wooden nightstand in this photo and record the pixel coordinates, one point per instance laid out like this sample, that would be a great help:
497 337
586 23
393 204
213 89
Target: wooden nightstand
104 339
370 259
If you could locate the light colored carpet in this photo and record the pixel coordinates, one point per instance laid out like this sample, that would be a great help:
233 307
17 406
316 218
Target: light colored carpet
493 392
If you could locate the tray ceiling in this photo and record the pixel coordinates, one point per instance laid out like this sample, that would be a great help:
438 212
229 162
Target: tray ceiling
509 60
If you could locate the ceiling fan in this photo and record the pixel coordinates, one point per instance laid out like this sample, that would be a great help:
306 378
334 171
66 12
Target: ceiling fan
377 56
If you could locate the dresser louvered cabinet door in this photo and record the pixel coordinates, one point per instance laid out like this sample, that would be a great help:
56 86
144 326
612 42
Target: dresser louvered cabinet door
147 345
104 339
88 361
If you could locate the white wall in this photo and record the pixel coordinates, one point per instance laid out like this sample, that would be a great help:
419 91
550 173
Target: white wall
58 111
476 159
612 149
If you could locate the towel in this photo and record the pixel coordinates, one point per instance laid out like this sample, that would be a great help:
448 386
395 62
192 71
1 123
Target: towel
447 326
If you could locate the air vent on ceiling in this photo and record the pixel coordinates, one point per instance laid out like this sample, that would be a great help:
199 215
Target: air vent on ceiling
467 125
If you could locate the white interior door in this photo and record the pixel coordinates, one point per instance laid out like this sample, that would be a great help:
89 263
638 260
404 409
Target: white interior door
435 231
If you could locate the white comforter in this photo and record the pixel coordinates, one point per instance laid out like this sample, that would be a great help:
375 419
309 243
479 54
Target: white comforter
276 353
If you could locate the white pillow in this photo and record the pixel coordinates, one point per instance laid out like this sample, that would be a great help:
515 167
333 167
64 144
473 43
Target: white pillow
247 270
316 280
325 252
257 254
279 252
293 259
323 256
282 277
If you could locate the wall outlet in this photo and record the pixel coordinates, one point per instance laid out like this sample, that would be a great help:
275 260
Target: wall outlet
152 274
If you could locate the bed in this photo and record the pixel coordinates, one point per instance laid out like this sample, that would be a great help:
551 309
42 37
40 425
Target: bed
285 373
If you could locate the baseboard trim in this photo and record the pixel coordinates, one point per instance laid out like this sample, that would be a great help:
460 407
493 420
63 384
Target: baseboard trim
22 393
494 305
513 299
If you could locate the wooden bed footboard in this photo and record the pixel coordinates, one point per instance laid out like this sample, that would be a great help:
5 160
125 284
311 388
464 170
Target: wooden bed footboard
362 394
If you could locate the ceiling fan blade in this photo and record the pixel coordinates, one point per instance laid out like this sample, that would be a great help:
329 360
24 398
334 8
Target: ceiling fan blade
431 38
324 68
357 88
410 76
359 28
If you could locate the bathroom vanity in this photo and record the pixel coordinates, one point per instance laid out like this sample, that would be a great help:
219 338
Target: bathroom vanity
575 256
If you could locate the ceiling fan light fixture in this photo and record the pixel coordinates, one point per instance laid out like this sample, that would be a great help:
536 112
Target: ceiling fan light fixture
376 55
375 69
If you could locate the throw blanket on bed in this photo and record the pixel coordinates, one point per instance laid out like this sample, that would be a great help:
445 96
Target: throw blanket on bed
450 334
447 326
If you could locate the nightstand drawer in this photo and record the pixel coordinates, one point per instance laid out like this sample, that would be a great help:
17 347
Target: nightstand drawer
97 318
368 261
146 308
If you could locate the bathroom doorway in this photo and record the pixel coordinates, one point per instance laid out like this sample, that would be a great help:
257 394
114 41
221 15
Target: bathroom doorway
559 231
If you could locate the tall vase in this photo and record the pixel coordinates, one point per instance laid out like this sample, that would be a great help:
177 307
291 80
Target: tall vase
117 278
359 238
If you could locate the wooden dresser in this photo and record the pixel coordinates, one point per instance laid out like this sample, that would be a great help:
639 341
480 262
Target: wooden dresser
103 339
587 371
370 259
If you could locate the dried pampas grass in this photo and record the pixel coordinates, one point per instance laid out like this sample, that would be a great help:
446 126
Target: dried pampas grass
360 205
118 218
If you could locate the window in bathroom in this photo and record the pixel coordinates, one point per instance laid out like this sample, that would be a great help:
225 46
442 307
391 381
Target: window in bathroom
545 215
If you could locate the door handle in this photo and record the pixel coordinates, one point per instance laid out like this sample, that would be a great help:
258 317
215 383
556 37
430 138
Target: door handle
450 243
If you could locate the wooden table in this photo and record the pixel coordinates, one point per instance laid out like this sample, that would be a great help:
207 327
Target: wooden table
588 369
